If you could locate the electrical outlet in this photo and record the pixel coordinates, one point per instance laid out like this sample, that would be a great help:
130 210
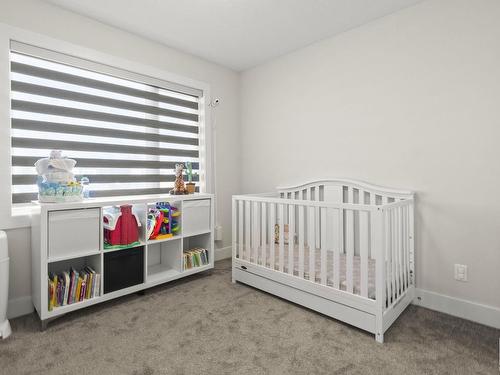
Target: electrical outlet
218 233
460 272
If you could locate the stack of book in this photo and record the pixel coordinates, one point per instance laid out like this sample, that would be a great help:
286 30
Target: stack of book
72 286
195 258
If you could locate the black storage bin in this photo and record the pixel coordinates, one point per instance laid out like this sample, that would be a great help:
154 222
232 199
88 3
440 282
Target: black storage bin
123 268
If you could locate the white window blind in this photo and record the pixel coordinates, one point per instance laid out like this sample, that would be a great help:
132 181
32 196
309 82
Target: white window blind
126 134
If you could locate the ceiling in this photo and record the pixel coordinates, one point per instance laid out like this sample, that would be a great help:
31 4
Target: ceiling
238 34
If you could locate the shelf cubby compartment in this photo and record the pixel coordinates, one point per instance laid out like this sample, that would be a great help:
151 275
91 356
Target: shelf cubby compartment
164 260
172 225
200 241
196 217
72 233
78 264
111 216
123 269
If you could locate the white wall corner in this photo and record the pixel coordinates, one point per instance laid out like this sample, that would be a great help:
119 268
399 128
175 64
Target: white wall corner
19 307
223 253
476 312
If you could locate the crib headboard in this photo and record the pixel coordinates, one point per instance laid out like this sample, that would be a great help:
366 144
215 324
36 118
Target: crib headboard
344 191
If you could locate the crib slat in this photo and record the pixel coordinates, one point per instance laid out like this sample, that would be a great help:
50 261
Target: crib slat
405 246
311 243
240 230
402 253
398 251
263 239
349 242
301 242
272 221
376 241
373 199
349 250
411 243
316 210
407 241
397 236
234 239
328 230
377 224
247 231
281 241
388 253
363 251
361 196
393 254
255 232
350 195
323 246
338 245
401 250
291 238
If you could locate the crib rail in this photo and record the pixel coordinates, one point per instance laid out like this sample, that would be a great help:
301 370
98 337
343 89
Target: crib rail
399 249
356 248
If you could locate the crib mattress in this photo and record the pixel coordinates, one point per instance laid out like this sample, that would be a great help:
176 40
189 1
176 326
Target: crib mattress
317 273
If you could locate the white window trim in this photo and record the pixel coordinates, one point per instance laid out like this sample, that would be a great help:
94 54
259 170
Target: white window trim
20 217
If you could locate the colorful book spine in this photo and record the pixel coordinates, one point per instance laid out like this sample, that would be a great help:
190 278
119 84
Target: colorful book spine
72 286
197 257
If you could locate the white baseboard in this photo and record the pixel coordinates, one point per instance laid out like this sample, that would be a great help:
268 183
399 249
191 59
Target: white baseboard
479 313
223 253
19 306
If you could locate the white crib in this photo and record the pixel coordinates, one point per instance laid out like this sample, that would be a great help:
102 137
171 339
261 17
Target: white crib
343 248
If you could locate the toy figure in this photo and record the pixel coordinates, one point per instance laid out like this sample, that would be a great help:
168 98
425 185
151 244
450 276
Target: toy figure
179 187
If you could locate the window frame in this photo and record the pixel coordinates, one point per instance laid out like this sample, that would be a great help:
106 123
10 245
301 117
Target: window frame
17 216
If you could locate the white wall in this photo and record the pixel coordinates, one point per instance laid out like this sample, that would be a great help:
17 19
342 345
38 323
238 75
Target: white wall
411 101
43 18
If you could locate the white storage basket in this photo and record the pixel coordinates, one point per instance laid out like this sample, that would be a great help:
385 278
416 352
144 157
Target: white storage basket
196 217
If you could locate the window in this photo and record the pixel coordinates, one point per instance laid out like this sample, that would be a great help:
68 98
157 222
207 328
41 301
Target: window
126 131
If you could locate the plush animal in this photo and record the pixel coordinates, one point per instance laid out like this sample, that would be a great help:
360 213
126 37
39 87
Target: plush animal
179 187
277 233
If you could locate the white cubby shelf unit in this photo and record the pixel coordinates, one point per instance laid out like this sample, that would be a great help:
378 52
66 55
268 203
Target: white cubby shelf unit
68 235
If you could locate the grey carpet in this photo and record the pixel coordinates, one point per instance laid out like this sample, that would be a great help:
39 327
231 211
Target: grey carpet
206 325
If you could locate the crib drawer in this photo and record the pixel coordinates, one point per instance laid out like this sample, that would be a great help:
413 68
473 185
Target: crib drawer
196 217
73 232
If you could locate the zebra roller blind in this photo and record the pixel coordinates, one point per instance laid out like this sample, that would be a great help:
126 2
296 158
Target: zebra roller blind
125 134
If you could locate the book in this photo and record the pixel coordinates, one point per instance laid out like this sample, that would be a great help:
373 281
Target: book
65 275
51 294
76 297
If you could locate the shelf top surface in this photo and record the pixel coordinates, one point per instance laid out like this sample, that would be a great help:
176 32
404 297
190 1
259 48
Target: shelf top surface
111 201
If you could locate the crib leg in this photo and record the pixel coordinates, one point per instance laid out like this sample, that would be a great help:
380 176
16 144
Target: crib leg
379 328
